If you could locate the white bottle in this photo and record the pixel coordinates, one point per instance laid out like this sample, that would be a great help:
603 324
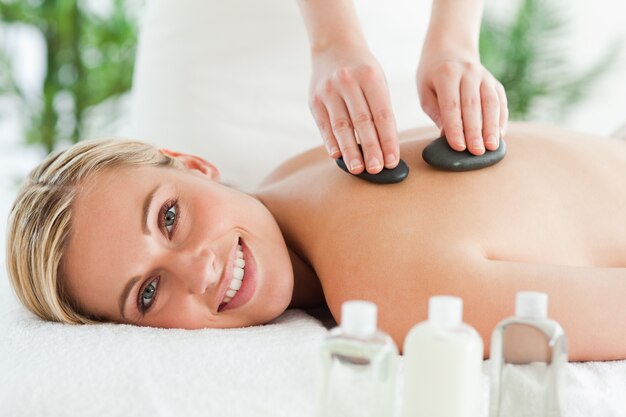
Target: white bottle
528 361
443 364
357 370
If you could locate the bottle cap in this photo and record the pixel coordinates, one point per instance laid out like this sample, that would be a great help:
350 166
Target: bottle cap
445 310
531 304
358 318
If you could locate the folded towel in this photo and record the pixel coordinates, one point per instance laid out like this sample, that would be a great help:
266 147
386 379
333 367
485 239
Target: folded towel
50 369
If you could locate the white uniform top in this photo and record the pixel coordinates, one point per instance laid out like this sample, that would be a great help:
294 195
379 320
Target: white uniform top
228 79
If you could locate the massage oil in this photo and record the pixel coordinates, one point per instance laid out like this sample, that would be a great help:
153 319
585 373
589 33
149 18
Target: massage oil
528 361
357 370
443 364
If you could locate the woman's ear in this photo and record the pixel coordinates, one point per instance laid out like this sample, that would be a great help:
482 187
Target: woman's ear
194 162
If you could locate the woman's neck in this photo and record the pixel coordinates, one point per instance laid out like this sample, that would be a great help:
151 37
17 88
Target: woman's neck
307 289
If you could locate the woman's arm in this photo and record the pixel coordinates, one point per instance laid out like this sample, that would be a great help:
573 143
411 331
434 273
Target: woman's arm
589 302
348 91
455 24
331 22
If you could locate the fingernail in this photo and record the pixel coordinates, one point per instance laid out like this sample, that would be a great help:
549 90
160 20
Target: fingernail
355 164
333 150
374 163
492 141
477 144
460 143
390 159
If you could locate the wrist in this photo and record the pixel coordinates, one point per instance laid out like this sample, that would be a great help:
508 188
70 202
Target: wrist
455 26
322 43
448 48
331 24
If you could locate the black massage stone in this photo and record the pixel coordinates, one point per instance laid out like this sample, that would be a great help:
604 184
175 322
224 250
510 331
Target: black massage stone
386 176
440 155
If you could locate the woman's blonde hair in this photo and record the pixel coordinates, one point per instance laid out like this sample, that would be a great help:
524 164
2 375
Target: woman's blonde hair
40 221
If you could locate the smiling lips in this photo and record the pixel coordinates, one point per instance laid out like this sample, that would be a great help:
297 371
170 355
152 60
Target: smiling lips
242 284
238 271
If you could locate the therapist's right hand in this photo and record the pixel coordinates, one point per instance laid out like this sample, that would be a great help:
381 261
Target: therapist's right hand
348 94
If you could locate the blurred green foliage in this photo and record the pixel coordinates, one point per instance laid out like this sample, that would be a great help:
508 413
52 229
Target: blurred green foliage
89 59
528 55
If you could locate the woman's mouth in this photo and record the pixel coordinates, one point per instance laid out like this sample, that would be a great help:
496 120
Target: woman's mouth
238 273
243 282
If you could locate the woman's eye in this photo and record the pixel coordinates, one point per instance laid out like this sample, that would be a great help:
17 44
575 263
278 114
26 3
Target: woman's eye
147 295
169 217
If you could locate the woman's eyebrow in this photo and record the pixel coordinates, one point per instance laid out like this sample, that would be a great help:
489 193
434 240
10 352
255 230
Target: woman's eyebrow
124 295
146 208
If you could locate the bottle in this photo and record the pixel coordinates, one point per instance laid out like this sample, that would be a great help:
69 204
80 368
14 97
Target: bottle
528 361
357 370
443 364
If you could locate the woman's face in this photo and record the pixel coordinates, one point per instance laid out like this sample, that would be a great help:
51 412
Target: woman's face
159 247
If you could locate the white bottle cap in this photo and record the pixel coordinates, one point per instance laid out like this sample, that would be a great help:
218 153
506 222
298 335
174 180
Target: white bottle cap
445 310
358 318
531 304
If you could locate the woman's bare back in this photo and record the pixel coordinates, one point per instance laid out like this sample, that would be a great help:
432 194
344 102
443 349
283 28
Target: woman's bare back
549 217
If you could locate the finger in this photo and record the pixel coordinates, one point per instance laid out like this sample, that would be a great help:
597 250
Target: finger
471 108
343 131
377 96
363 125
431 107
491 114
322 119
504 109
448 93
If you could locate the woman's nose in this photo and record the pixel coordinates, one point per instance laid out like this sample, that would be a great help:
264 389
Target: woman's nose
197 271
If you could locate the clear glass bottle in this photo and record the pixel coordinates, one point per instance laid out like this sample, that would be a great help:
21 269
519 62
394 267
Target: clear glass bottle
528 361
357 367
443 364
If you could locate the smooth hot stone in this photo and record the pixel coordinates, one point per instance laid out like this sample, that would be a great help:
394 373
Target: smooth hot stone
386 176
440 155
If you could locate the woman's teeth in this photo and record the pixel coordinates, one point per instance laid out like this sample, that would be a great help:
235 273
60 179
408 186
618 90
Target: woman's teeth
238 272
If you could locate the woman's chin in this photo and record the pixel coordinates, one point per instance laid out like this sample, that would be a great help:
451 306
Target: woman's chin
279 308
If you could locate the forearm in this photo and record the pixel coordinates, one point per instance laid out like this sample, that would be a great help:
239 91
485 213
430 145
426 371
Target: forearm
455 24
331 22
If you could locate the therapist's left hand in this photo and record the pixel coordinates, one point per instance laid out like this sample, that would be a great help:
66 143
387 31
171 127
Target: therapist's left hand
463 99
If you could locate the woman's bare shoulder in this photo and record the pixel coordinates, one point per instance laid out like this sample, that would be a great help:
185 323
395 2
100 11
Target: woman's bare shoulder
416 138
317 154
294 164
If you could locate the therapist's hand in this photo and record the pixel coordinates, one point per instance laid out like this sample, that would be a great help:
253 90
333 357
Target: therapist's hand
349 93
463 99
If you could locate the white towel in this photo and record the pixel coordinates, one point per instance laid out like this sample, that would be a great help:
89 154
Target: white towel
49 369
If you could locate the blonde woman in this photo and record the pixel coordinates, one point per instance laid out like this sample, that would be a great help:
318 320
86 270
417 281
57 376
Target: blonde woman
120 231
